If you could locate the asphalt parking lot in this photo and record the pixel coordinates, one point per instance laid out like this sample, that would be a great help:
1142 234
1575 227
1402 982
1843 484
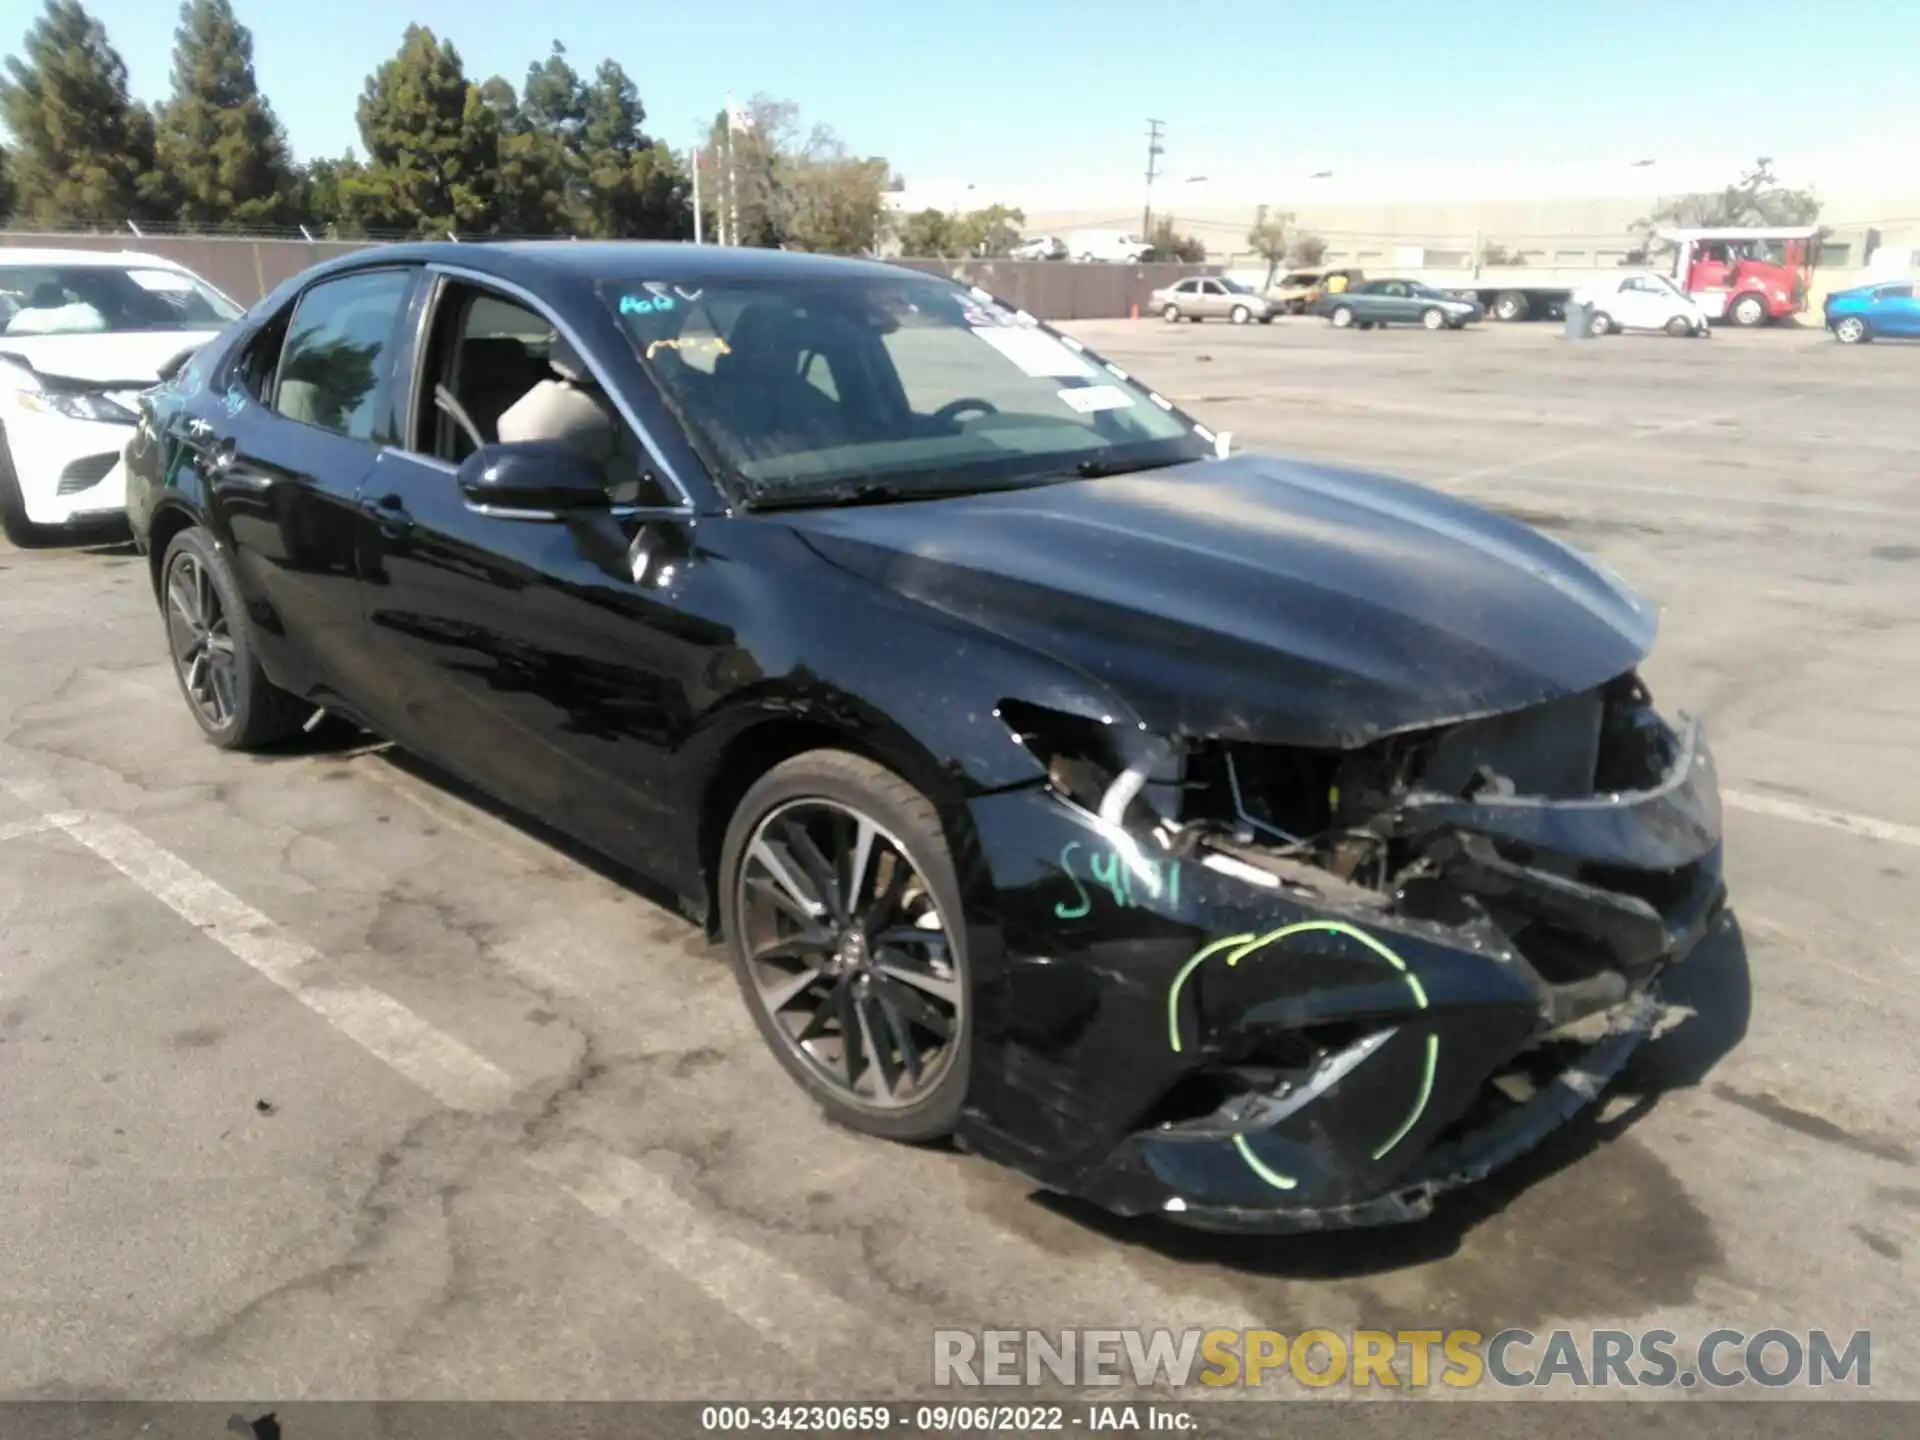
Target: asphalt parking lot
320 1078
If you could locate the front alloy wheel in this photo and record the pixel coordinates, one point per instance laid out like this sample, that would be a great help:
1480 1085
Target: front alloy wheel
846 946
1852 330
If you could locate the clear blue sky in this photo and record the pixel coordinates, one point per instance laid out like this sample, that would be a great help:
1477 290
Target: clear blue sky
1011 91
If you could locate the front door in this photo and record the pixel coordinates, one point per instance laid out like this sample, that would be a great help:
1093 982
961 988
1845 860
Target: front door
523 654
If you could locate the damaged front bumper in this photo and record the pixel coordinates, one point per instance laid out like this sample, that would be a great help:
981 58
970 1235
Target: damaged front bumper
1216 1033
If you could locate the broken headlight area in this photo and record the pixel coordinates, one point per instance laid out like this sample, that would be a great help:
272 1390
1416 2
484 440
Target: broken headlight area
1578 839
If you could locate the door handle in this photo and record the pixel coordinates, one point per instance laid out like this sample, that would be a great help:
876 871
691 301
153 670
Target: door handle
391 516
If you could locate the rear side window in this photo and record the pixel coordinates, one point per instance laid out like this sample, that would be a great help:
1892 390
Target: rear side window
338 354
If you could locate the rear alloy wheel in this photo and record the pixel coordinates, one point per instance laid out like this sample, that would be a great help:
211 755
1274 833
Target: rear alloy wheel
1241 315
1852 330
1434 318
1171 314
1749 311
843 923
212 648
1510 305
1342 317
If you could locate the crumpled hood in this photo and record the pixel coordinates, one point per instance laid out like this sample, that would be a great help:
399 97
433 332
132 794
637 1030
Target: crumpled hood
130 358
1258 599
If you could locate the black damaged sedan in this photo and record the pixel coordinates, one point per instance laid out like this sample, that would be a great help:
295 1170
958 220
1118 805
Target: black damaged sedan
1203 834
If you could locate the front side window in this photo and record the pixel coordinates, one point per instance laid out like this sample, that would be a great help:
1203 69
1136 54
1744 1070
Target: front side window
800 388
107 300
338 353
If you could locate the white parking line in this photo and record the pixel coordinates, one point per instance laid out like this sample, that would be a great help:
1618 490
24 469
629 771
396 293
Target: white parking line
801 1316
456 1076
1889 830
642 1203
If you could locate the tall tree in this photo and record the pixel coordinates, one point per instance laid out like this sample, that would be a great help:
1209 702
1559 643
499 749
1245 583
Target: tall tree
7 194
634 188
1756 198
82 148
432 143
794 188
220 149
325 188
1268 237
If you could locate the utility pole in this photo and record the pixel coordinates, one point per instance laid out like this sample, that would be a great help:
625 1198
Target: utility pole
1154 152
698 237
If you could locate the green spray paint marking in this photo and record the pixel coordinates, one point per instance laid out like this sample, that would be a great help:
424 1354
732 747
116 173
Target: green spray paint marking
1237 948
1259 1167
1110 870
1419 1104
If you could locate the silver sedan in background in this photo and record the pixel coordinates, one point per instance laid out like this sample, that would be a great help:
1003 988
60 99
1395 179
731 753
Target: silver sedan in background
1213 297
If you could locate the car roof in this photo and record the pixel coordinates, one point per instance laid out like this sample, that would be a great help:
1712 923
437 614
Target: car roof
635 260
22 255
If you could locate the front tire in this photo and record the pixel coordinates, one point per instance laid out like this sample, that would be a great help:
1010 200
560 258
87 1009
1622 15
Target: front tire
1600 324
1434 318
1679 327
1749 311
841 913
211 642
13 507
1852 330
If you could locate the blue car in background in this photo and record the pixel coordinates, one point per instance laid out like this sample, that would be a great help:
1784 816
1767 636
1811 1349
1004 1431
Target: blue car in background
1867 312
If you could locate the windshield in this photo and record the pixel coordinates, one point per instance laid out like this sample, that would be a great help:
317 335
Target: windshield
107 299
1234 287
1426 292
806 390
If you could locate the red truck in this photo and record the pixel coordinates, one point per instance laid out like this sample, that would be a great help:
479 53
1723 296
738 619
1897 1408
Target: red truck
1751 276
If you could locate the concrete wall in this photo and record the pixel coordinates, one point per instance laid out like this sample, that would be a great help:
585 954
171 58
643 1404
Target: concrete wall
249 269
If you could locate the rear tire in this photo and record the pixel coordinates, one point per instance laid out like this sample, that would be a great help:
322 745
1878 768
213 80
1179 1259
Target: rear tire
830 793
1510 305
211 641
1342 317
1241 315
1171 314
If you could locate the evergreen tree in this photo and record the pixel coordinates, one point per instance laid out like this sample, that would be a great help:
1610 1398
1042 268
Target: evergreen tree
432 143
324 188
220 150
6 188
533 180
83 151
634 187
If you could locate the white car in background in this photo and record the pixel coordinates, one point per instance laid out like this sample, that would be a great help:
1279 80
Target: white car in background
1642 302
82 333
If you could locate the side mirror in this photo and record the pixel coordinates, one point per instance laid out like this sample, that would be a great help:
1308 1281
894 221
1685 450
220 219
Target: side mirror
535 480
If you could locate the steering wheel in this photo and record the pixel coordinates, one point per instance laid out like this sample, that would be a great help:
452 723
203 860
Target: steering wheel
950 412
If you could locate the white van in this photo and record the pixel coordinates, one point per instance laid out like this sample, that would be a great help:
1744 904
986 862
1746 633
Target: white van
1119 246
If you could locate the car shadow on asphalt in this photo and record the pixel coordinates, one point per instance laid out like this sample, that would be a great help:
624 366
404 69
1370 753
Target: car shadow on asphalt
1712 996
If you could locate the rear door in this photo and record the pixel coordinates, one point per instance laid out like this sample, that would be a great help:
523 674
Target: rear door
1213 299
285 450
